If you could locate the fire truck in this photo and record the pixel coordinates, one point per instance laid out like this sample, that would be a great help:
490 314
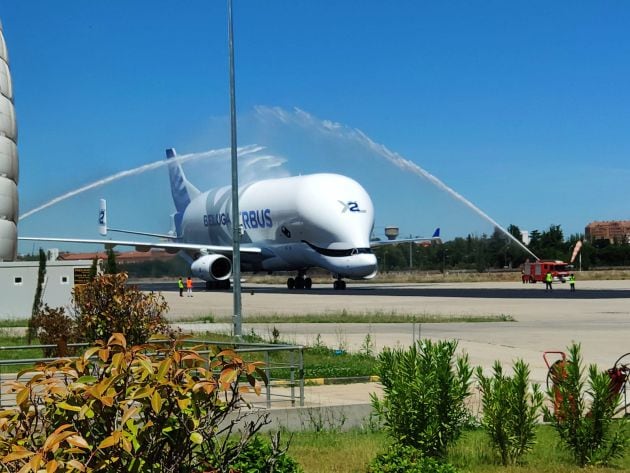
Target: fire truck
537 270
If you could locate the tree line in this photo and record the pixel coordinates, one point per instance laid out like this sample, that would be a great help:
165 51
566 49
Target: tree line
498 251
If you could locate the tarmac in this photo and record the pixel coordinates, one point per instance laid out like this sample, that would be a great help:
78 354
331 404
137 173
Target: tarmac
596 315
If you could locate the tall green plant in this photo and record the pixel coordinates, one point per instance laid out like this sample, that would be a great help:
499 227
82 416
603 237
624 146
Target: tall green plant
37 299
93 269
425 388
510 410
584 409
110 265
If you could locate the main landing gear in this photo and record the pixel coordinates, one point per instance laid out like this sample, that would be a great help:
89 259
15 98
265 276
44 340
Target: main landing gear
300 282
339 284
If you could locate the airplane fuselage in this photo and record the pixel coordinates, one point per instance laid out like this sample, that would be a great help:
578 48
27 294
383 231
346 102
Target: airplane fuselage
317 220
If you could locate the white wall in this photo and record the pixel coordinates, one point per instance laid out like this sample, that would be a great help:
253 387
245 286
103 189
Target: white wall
18 282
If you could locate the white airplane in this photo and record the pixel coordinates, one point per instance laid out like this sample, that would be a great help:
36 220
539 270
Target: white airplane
288 224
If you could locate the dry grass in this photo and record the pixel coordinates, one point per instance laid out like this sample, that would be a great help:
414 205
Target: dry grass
436 276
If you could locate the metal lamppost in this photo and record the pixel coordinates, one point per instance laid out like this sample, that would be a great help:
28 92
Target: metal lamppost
236 227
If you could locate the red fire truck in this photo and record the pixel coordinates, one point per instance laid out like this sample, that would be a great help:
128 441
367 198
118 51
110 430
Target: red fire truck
537 270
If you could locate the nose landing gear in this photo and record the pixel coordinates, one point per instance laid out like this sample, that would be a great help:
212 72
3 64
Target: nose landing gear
300 282
339 284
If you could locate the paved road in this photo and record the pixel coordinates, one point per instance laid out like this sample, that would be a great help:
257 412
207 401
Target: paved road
597 315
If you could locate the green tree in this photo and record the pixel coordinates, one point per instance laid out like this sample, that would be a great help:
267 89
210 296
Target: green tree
37 300
93 269
111 266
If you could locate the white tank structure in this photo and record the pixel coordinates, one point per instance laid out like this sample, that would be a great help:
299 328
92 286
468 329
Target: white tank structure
8 160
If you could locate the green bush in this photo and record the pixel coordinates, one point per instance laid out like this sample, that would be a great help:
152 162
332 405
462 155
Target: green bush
406 459
424 393
584 410
261 456
116 408
510 410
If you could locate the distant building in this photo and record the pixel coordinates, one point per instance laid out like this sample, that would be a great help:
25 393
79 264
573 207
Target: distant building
614 230
126 257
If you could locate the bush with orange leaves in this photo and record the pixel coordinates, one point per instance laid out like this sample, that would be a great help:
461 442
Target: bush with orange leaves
107 305
146 408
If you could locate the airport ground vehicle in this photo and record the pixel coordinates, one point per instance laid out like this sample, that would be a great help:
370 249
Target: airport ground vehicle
535 271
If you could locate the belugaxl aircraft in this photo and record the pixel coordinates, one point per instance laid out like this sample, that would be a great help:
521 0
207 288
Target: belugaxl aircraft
288 224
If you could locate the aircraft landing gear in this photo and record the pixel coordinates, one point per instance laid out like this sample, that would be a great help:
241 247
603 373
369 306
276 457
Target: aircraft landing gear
300 282
339 285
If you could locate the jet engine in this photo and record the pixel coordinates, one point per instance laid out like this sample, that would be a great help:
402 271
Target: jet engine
212 268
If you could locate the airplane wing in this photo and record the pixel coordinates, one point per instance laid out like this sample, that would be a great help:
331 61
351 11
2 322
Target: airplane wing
171 247
434 239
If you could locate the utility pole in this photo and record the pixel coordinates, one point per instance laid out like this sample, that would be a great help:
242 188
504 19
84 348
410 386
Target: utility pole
236 220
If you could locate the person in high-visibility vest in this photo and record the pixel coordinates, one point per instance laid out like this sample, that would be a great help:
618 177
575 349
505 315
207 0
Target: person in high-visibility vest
189 286
180 285
572 282
548 281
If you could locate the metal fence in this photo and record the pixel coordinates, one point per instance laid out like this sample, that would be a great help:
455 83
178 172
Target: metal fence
285 374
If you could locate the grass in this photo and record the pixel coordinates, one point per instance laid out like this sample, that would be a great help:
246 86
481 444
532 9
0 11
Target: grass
351 452
335 452
8 340
451 276
13 323
319 360
341 317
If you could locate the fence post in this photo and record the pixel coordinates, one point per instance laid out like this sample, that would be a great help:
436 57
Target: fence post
268 373
292 377
301 375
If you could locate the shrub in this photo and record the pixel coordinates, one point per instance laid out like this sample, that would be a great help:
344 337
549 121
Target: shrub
425 390
53 327
116 408
510 410
584 412
107 305
406 459
261 456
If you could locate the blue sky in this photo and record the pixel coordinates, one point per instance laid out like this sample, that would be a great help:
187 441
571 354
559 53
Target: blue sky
523 108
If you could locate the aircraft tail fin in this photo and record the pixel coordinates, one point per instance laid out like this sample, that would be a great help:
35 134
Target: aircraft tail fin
436 233
181 189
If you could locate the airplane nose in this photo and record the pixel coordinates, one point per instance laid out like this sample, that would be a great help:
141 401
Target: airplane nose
362 265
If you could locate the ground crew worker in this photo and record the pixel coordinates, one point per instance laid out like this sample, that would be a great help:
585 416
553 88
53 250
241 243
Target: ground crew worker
548 281
189 287
180 285
572 282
